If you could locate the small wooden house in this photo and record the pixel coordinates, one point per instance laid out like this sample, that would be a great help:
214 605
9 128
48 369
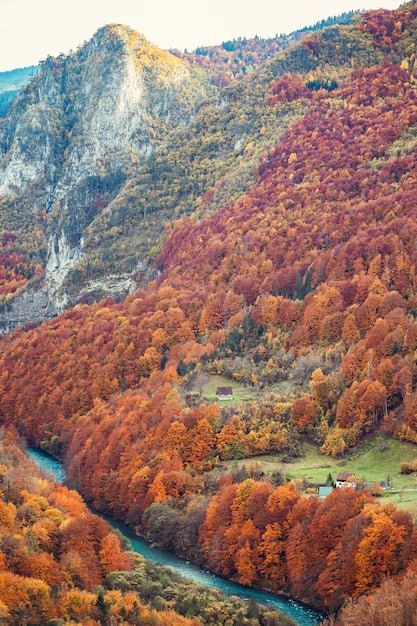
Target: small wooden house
224 393
344 479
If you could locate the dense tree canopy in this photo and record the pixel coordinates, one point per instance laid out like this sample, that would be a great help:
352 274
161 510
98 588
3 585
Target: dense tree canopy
55 555
309 278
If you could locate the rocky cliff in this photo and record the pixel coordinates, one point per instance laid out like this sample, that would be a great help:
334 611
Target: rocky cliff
73 137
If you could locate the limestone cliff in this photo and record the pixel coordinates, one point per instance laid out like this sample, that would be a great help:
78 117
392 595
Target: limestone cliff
72 138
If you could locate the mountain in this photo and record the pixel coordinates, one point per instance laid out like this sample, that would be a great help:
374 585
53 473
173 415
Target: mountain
96 215
10 84
235 59
71 139
289 276
13 80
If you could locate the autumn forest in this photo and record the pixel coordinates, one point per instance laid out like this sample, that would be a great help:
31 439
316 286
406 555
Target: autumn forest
298 289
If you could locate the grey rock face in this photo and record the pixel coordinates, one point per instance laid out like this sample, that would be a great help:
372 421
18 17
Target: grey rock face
32 304
73 137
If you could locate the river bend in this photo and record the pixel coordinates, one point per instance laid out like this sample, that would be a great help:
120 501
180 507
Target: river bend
302 615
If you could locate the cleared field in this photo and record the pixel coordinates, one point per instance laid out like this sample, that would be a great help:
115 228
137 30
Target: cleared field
379 459
406 500
206 385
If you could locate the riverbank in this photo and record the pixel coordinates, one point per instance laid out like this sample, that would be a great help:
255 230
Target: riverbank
301 614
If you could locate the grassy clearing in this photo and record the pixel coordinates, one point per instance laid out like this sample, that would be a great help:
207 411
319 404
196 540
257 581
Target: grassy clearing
372 464
406 500
311 465
379 459
206 385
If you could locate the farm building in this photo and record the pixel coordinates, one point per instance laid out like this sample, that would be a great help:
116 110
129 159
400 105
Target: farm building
344 479
224 393
325 491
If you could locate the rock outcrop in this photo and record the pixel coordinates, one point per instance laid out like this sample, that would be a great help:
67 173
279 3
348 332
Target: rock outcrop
74 135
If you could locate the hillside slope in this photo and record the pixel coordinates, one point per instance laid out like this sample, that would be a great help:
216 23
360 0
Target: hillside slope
307 277
56 556
11 83
214 160
233 60
71 139
94 189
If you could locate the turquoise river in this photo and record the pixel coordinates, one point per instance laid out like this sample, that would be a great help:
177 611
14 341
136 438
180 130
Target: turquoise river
302 615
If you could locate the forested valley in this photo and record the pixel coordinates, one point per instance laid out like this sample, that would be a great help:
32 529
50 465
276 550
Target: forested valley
290 282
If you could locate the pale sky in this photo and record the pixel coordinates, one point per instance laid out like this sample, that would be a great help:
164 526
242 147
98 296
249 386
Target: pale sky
32 29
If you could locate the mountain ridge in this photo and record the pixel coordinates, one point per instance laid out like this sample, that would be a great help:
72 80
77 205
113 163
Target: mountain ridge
128 208
11 82
76 130
293 280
